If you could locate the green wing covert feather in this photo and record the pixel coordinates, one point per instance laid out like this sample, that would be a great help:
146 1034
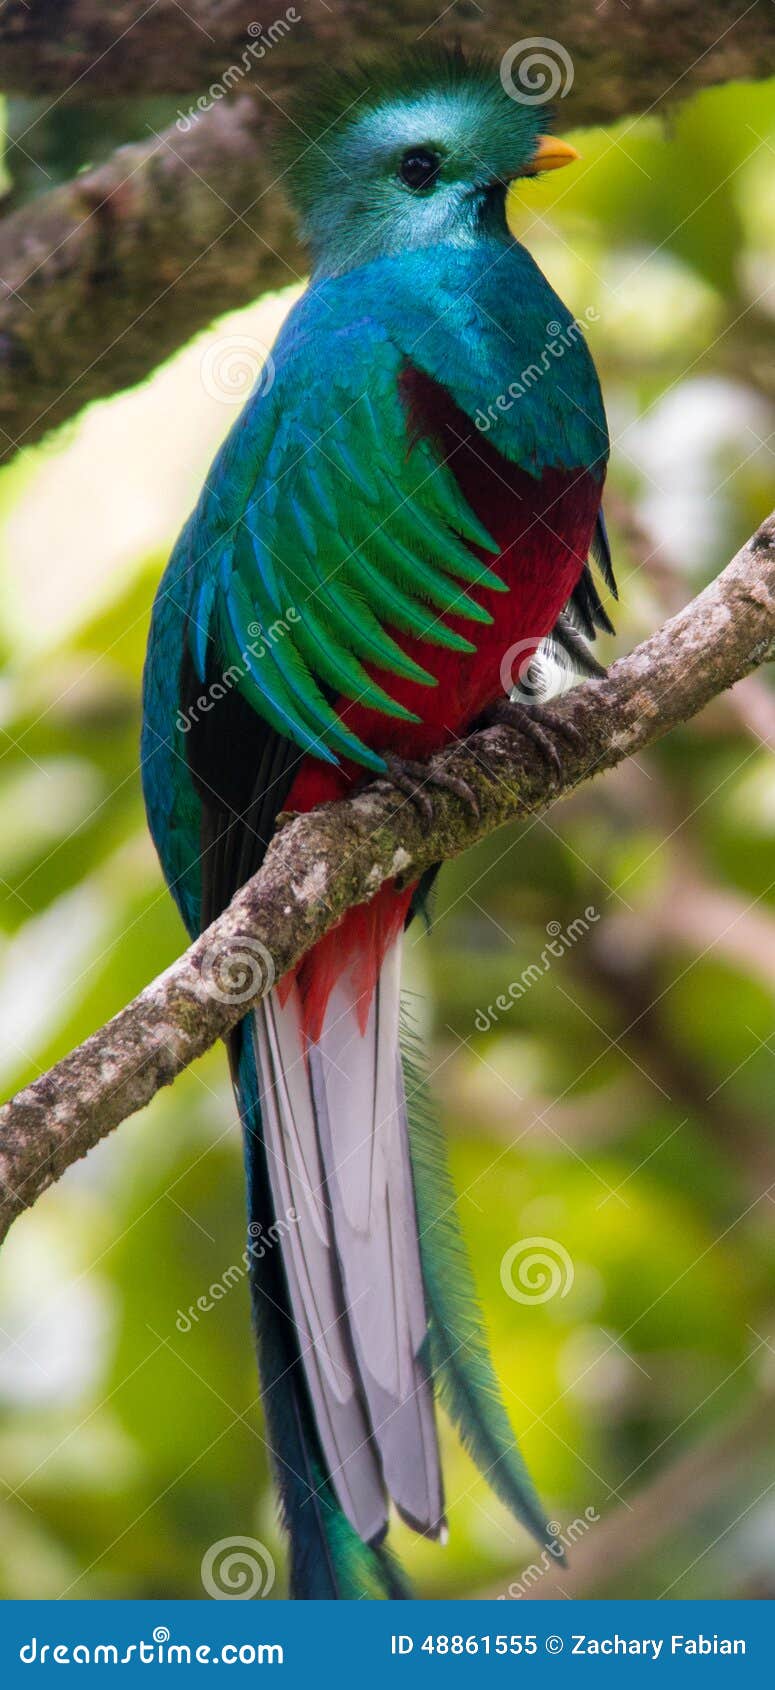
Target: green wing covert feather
350 527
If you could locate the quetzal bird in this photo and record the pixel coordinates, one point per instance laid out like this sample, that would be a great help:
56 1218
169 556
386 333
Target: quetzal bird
388 550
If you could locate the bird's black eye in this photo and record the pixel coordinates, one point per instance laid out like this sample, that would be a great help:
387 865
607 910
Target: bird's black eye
419 168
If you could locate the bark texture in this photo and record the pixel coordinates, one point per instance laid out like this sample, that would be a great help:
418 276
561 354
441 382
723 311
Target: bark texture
104 277
625 56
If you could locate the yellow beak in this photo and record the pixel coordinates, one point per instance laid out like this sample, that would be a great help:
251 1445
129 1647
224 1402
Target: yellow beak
551 154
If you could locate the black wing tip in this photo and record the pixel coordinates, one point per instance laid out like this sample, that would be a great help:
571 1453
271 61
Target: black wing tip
436 1530
575 647
601 552
592 615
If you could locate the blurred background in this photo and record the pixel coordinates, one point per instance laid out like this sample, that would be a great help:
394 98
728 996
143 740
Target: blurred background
610 1129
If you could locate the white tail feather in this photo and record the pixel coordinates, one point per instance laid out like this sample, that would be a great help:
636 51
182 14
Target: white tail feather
311 1271
337 1141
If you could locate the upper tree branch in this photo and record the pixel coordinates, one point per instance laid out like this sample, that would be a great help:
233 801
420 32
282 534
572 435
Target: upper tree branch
626 56
320 865
102 278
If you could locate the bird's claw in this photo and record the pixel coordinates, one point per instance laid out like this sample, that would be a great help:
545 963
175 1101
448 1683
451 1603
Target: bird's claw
541 725
414 779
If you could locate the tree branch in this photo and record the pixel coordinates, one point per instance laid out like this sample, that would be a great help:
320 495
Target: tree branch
320 865
103 277
129 46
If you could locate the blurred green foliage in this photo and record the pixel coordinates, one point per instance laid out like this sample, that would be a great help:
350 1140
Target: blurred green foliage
620 1109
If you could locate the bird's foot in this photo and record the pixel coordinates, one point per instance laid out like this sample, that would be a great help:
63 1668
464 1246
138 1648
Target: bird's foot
539 724
417 781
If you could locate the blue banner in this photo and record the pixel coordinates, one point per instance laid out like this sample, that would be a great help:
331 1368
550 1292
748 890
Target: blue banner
412 1643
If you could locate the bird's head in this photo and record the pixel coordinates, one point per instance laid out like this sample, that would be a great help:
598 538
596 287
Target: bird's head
409 155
